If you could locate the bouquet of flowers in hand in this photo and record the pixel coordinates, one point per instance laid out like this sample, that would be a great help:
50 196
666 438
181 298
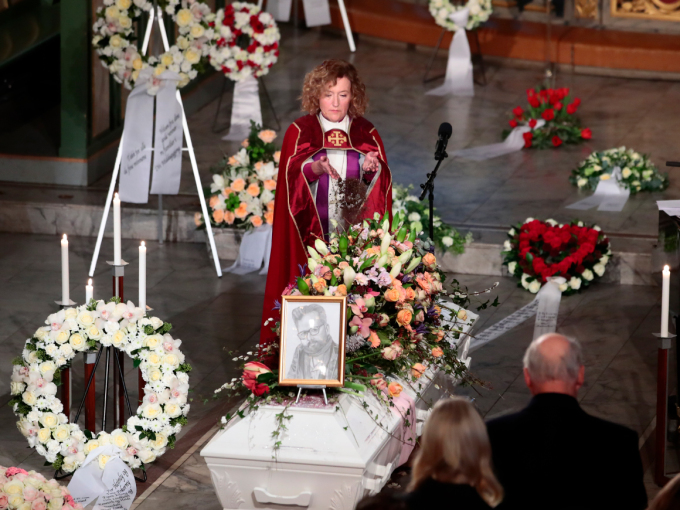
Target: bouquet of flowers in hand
637 172
551 116
244 185
417 213
400 322
21 489
539 249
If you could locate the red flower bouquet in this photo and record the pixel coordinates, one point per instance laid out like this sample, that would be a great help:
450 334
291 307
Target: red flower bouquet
537 250
557 110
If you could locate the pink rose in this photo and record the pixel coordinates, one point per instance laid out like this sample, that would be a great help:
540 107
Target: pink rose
392 352
30 493
251 371
39 504
3 501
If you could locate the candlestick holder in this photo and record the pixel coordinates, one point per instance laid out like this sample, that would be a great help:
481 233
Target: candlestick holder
118 274
68 304
665 343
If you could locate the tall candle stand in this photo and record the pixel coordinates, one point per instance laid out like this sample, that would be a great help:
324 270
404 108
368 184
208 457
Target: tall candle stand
665 343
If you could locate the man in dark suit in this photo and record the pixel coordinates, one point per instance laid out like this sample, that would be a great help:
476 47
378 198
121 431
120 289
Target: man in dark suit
552 454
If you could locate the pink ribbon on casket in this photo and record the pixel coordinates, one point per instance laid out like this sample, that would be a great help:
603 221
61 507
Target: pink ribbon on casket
402 405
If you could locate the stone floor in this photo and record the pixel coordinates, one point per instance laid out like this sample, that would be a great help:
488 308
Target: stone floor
213 316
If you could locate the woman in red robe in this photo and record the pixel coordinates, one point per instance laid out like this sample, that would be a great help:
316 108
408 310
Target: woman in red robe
331 143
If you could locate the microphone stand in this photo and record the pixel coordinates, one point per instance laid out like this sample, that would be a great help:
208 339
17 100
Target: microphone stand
428 187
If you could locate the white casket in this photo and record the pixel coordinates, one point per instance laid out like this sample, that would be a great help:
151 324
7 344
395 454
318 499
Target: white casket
329 458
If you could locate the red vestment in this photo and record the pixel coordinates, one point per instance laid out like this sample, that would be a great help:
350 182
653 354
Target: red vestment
296 220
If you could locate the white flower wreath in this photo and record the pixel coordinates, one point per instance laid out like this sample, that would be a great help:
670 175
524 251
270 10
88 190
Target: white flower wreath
115 40
37 373
246 41
480 11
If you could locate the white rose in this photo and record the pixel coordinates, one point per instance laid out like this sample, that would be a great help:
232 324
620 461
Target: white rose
94 333
62 336
49 420
152 411
447 241
414 216
184 17
626 173
173 410
528 220
512 232
47 367
52 350
197 31
118 338
153 359
575 283
564 286
160 442
512 266
91 446
77 342
152 341
534 286
62 433
588 275
66 350
147 456
156 322
507 246
604 260
103 460
44 435
171 359
41 334
104 439
16 387
119 439
581 182
599 269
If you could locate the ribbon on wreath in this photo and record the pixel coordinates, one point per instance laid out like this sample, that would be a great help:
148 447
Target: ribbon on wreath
610 195
246 107
106 477
135 165
255 248
513 143
459 78
545 306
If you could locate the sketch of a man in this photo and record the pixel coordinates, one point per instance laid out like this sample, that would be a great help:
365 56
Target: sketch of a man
316 357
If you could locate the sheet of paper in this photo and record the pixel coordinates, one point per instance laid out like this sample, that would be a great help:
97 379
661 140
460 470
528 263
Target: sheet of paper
252 251
167 160
279 9
317 12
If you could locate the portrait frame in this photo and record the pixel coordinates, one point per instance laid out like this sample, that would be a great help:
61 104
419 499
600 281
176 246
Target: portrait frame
289 340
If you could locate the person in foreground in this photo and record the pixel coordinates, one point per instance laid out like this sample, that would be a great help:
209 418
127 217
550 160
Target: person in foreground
453 466
553 454
333 144
669 497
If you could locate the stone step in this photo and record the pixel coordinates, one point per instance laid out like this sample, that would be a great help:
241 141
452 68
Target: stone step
78 212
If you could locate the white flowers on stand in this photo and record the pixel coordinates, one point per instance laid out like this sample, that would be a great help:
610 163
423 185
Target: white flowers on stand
114 32
74 330
441 10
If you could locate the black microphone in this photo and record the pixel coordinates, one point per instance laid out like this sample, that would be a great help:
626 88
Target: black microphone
445 131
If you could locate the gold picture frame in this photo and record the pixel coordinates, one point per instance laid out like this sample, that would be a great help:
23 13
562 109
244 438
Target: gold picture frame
295 362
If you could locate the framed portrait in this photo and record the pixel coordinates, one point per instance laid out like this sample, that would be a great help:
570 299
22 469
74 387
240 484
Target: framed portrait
313 332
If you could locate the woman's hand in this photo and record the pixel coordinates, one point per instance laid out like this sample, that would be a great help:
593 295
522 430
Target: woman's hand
323 166
371 162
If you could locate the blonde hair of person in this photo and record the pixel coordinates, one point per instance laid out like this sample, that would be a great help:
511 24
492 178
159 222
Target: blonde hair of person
455 448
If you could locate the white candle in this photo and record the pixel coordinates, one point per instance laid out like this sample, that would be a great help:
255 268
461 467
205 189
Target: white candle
89 291
142 276
64 271
665 294
116 230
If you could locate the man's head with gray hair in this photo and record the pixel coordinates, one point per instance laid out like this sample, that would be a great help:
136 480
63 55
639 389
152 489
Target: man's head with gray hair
553 363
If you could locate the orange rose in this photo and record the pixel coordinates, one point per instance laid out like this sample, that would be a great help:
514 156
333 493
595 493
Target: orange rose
229 217
429 260
269 217
394 389
343 265
218 215
198 219
253 190
256 221
227 191
417 370
320 285
440 335
270 206
410 294
341 290
277 157
404 317
232 161
337 272
245 143
437 352
379 382
267 135
213 201
392 295
259 165
270 184
242 210
374 339
238 185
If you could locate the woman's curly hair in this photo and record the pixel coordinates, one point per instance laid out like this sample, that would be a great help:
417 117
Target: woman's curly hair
327 73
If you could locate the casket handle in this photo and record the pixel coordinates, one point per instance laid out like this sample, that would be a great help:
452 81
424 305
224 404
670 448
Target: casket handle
264 496
375 484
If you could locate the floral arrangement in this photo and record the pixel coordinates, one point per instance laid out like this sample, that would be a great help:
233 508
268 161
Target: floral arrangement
539 249
37 373
417 213
247 42
556 110
638 173
28 490
480 11
115 40
244 185
396 308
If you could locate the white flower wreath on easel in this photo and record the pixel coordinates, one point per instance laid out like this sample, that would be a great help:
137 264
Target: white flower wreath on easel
458 19
52 348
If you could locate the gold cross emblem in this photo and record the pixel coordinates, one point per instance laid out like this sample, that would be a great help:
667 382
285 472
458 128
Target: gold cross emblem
337 139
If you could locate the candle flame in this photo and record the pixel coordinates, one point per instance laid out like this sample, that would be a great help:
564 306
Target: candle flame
115 196
143 244
89 281
666 268
64 238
